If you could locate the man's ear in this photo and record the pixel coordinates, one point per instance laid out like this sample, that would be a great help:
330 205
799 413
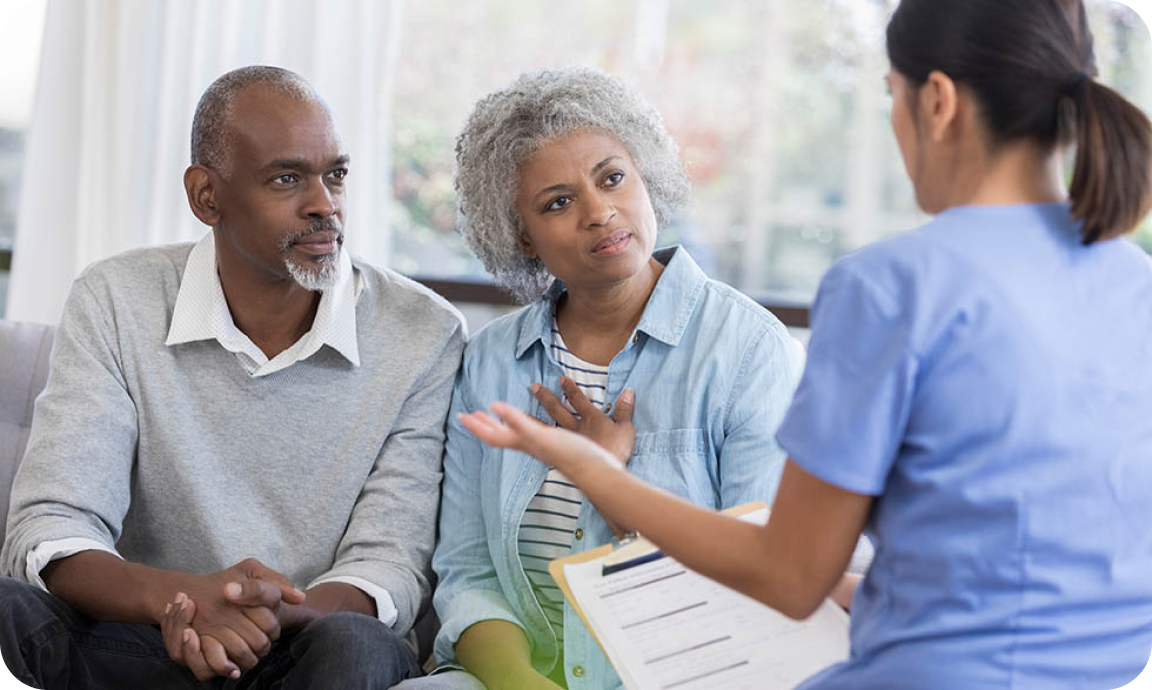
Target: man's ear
201 194
939 105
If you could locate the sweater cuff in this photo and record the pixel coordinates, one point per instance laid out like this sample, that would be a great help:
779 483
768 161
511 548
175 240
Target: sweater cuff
385 606
49 551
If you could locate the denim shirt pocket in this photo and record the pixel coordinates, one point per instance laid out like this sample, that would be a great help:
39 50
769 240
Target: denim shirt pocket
676 460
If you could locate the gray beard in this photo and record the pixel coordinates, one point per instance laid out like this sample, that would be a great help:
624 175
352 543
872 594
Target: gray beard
319 275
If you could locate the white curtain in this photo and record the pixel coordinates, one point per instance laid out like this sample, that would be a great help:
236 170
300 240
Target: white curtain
109 137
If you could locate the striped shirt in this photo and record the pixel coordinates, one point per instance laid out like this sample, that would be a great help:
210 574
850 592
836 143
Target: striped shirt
549 524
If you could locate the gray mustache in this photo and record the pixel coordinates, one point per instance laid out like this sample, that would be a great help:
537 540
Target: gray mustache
326 225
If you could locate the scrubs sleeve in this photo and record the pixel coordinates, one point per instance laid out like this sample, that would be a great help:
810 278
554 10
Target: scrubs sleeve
848 416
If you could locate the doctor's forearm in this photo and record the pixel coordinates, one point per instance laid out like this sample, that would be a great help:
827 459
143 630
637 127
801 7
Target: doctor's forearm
771 564
721 547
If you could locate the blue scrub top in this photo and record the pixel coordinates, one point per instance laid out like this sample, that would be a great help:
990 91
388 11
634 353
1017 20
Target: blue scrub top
989 379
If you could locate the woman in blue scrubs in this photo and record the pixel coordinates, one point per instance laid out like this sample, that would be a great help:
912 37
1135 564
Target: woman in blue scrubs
978 391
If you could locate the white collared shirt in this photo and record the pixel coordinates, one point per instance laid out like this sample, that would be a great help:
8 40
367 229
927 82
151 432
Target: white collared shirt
201 313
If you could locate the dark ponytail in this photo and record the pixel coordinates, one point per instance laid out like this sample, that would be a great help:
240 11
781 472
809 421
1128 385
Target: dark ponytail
1030 64
1111 180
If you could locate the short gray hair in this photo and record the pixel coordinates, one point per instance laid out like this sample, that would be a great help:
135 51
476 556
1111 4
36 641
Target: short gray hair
211 143
509 125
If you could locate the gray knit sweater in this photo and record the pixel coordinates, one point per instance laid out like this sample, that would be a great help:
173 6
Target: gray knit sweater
179 459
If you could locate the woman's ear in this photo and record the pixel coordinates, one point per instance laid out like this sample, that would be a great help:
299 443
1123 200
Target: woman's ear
939 104
201 194
527 247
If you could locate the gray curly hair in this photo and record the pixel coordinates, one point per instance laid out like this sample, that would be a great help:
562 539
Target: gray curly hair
509 125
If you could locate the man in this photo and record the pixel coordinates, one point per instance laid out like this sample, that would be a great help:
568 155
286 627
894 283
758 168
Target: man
258 399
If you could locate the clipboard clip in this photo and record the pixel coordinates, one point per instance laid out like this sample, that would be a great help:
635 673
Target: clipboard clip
633 549
624 539
629 551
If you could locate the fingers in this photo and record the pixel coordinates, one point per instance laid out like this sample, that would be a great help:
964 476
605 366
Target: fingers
515 419
230 653
553 406
181 641
289 593
221 650
517 431
177 618
247 642
193 656
251 592
576 397
258 601
625 405
216 656
256 570
264 619
525 433
490 431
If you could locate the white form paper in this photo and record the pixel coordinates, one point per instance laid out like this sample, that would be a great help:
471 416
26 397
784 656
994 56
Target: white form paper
666 627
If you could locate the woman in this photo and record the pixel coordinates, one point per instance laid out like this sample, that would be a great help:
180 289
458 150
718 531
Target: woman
564 179
976 392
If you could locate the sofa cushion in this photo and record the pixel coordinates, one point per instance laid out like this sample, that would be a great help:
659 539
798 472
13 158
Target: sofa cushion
24 351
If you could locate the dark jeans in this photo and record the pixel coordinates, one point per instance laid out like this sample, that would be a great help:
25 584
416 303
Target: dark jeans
47 644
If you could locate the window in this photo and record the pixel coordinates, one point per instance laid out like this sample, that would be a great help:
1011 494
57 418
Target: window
20 56
778 107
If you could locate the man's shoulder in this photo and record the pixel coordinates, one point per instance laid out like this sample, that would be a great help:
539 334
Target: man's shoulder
391 296
141 282
502 333
491 352
142 266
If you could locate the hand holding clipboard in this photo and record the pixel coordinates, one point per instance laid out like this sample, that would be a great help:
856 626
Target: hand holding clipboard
665 626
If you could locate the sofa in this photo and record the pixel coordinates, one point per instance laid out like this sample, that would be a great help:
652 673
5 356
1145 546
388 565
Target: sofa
24 351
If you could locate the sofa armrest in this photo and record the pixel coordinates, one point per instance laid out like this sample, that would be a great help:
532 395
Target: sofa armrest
23 373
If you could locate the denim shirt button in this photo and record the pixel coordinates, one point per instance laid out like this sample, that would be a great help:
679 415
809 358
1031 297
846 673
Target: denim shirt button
607 408
579 534
578 671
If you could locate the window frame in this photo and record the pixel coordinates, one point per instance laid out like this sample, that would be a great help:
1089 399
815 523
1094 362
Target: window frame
488 293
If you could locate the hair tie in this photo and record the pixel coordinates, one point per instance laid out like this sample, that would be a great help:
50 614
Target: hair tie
1072 85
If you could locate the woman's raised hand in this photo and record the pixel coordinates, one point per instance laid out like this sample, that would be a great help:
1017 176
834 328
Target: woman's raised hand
616 433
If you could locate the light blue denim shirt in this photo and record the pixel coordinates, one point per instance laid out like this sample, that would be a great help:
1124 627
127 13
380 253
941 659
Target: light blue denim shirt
713 372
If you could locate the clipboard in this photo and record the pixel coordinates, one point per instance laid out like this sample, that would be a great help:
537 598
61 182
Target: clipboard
662 625
637 549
